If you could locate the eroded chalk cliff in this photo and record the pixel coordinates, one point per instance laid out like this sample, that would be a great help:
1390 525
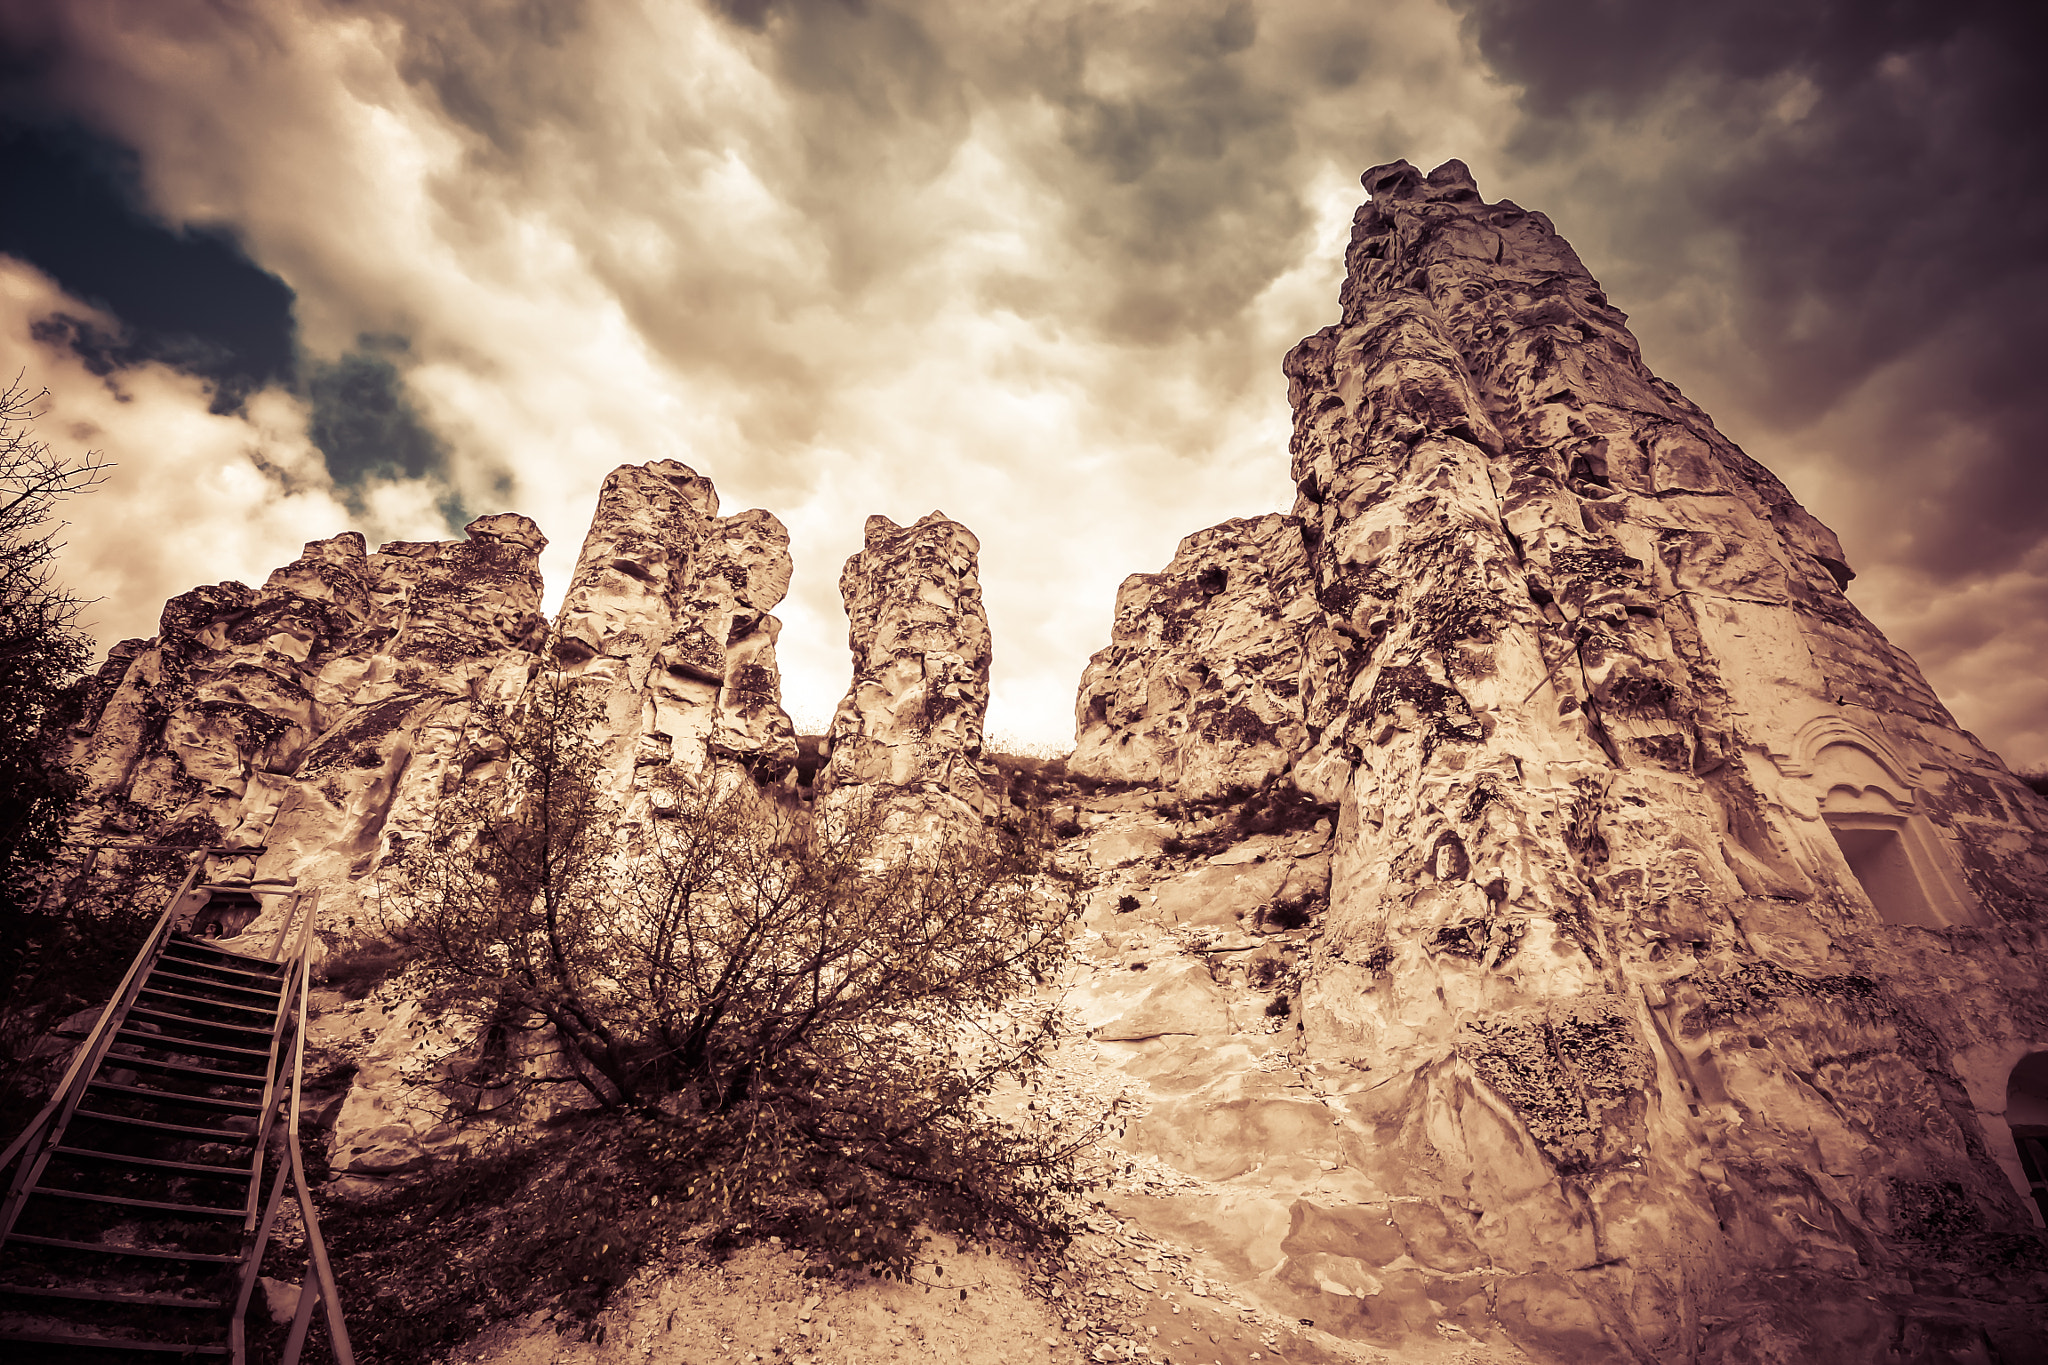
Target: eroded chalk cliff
317 720
1679 947
312 719
1215 674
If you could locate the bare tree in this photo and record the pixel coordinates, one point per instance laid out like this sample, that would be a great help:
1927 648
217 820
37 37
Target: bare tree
798 1018
41 647
44 961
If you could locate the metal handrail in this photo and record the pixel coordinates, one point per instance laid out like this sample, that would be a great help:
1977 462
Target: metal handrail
319 1284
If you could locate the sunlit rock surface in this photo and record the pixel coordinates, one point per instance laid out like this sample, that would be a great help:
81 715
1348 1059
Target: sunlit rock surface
1680 951
910 727
320 718
316 717
1213 674
669 615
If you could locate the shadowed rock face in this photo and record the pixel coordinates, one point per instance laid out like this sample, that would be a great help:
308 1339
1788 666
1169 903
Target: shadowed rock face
910 726
1679 946
669 614
316 716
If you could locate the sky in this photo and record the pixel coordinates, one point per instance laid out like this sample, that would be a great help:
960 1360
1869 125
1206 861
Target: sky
300 266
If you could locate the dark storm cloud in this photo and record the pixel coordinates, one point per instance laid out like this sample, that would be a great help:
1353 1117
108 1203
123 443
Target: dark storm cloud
1831 222
496 67
189 298
368 428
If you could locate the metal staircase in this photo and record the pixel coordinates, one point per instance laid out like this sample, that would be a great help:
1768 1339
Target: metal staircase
136 1220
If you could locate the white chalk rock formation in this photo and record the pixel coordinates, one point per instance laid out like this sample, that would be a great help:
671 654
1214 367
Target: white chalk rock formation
910 726
1213 676
1678 994
314 717
669 614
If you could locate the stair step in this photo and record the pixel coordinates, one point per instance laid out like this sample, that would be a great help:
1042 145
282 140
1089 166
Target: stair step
226 1136
173 1097
191 1022
110 1296
155 1163
103 1249
165 1043
186 964
124 1062
123 1201
100 1341
161 975
260 1013
254 966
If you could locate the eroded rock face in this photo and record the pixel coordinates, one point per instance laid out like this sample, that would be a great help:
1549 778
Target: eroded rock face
1214 669
323 717
910 726
315 717
1679 946
669 613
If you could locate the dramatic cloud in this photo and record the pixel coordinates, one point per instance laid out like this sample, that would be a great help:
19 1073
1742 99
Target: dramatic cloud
1036 265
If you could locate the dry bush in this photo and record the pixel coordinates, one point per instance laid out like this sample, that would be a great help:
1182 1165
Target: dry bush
792 1019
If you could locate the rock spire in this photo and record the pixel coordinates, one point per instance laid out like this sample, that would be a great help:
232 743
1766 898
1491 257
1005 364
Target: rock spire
315 716
1681 953
669 611
910 725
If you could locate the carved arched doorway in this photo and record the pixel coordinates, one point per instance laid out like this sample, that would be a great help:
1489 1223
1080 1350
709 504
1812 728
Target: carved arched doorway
2026 1113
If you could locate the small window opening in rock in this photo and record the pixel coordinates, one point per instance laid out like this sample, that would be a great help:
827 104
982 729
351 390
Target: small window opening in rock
2026 1113
1211 580
1876 852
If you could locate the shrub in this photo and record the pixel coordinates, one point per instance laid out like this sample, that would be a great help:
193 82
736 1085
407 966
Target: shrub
69 956
564 1220
1280 808
793 1015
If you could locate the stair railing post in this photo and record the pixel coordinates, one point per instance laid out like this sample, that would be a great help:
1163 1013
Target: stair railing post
255 1237
316 1246
301 1320
252 1264
287 1001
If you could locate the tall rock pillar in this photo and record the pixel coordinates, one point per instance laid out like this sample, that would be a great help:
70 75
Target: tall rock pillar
910 726
669 617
